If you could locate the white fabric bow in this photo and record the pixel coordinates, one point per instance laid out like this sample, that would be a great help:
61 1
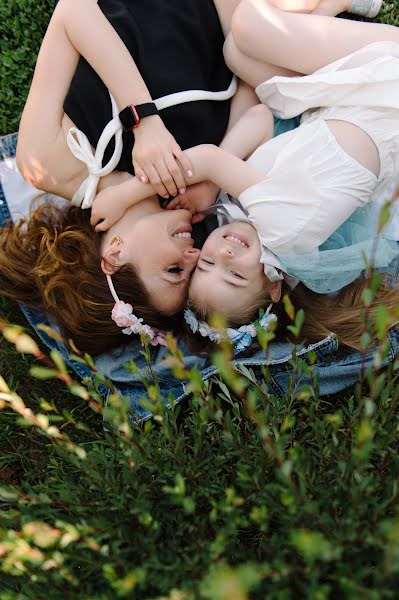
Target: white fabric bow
80 147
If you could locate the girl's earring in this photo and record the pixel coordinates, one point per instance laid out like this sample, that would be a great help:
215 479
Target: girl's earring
117 240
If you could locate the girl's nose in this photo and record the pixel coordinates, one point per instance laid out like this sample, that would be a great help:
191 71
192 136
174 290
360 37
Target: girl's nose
226 251
191 255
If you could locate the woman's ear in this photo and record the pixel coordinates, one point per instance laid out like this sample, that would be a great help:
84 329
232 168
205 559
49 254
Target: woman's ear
110 261
275 291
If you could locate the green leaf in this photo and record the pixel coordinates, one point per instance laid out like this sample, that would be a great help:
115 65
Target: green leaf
43 373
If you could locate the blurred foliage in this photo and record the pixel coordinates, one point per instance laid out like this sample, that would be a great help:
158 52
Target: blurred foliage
234 495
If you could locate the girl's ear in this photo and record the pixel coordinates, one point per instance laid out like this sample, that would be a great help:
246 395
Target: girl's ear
110 259
275 291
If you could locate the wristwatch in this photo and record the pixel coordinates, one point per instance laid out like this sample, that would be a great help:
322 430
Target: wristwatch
131 115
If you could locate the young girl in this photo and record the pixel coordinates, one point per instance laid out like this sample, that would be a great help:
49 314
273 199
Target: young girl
297 190
315 215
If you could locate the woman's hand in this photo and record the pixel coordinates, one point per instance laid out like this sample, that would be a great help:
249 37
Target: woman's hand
197 198
158 159
108 207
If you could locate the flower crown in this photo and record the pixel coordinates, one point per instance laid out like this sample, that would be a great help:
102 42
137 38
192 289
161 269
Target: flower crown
123 315
241 338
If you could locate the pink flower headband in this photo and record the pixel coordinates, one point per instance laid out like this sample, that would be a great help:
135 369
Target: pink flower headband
123 315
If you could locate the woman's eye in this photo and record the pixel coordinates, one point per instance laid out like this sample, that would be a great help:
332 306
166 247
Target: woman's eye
175 270
208 262
236 275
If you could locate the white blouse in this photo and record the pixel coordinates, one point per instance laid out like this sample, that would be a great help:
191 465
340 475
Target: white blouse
311 184
312 187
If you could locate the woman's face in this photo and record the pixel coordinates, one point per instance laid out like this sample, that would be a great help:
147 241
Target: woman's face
159 245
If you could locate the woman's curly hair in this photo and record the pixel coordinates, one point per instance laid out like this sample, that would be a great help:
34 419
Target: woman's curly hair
52 262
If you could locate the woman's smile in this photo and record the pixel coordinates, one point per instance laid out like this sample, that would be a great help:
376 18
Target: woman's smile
184 233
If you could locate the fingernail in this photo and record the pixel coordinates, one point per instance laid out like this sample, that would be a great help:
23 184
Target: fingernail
166 197
142 179
182 191
189 173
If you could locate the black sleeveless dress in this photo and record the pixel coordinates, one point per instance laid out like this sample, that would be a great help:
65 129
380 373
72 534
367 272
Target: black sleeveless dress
176 45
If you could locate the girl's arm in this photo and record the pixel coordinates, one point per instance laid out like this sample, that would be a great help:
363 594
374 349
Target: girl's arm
78 28
210 164
254 128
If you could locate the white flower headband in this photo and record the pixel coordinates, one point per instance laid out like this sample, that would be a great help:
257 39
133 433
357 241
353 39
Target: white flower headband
123 315
241 338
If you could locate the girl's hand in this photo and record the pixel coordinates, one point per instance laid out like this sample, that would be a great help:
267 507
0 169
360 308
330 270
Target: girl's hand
197 198
158 159
107 208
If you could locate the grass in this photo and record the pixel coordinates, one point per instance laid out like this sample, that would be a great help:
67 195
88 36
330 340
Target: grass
235 495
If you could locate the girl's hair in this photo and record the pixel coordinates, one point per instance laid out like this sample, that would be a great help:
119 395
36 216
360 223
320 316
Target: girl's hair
324 315
52 261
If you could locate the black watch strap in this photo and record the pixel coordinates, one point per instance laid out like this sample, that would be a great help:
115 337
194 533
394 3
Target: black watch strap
131 115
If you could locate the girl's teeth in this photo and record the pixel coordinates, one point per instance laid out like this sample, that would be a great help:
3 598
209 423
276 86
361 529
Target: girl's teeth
183 234
234 239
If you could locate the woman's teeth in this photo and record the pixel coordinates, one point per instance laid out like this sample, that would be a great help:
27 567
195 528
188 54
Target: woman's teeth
184 234
232 238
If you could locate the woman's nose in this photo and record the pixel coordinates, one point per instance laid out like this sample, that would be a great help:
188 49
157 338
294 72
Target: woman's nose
191 255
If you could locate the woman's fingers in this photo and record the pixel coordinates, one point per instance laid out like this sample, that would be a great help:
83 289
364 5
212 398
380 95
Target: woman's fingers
154 178
168 171
138 171
184 162
176 172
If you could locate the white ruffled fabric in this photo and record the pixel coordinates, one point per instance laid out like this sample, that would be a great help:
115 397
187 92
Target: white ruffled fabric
311 184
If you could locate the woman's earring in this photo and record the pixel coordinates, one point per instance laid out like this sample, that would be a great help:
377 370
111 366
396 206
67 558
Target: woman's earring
117 240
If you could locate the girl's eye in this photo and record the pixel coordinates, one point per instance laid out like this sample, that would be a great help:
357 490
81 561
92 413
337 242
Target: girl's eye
208 262
175 270
237 275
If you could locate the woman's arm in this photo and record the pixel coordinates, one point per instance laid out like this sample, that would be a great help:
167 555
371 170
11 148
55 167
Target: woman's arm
78 28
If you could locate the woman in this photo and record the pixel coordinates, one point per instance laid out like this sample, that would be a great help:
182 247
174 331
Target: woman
57 259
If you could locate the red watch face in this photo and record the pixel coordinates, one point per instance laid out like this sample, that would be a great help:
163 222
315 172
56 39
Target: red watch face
129 117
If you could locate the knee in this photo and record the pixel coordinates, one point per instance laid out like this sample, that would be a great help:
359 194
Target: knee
231 54
242 18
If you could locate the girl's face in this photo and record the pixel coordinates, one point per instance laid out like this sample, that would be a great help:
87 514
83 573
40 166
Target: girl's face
229 276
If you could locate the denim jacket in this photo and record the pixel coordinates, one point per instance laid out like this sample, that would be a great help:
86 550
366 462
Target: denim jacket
335 368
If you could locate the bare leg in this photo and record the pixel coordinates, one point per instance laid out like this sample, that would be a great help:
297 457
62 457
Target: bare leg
319 7
252 71
301 43
301 6
243 99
